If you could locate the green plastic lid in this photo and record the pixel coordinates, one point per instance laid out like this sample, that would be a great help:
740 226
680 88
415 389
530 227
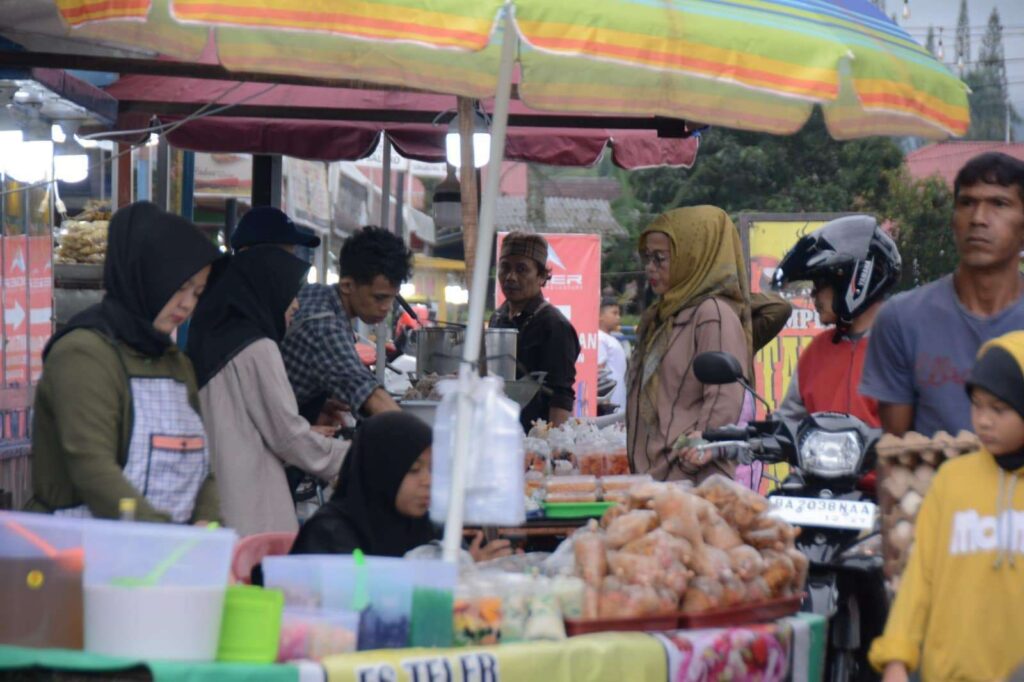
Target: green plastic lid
251 626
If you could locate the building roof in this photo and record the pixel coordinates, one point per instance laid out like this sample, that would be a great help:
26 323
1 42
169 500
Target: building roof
945 159
562 214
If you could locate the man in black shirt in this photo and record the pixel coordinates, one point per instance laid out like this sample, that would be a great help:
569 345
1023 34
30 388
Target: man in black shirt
547 342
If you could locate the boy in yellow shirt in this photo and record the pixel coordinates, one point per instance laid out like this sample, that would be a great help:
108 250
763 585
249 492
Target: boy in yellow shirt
959 613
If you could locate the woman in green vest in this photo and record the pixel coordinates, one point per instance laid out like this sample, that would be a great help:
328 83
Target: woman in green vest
116 410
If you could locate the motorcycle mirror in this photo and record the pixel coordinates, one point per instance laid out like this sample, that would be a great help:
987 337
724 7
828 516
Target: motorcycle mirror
717 367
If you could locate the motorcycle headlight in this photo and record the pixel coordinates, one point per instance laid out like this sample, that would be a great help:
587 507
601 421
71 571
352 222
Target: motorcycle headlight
831 454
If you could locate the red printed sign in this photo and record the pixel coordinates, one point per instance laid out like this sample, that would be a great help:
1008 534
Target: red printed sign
575 289
16 310
40 298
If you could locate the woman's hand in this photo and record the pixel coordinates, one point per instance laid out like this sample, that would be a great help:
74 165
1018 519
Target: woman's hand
495 549
327 431
895 671
692 456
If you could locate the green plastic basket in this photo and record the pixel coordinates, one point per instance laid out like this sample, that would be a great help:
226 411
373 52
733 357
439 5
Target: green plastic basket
251 626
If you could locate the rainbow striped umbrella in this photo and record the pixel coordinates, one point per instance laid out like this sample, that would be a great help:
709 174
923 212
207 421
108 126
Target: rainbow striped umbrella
749 64
752 64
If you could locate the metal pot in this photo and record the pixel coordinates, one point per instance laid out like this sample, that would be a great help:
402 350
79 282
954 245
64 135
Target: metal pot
439 350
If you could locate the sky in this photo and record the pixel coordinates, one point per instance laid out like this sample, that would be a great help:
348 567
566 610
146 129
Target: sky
944 13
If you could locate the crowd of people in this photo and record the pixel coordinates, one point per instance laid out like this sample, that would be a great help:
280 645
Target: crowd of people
271 367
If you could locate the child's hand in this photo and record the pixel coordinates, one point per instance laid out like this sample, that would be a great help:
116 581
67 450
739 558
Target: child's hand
895 672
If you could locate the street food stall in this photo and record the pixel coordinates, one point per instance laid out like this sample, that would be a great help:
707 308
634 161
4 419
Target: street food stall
867 75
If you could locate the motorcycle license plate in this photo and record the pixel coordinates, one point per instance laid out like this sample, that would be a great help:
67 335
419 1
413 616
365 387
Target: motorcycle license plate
827 513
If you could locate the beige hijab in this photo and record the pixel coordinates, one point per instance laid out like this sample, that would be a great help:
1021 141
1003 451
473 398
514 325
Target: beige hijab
706 261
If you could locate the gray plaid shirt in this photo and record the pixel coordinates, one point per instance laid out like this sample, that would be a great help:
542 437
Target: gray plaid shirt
320 352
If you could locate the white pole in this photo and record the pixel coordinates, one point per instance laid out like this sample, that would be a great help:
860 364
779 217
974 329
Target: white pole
385 222
478 291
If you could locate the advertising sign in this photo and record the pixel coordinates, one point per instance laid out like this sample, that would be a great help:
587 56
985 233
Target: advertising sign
575 289
16 310
40 299
769 237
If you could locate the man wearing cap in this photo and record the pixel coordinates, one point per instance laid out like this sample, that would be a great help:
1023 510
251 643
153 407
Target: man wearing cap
547 342
269 225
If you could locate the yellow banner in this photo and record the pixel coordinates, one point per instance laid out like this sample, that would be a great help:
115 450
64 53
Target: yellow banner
593 658
769 241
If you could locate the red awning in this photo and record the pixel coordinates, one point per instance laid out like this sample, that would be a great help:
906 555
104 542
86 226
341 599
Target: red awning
338 124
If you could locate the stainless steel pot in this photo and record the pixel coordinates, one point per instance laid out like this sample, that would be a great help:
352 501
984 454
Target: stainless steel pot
439 350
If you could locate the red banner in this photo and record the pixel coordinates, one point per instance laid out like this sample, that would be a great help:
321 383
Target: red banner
575 289
16 310
40 299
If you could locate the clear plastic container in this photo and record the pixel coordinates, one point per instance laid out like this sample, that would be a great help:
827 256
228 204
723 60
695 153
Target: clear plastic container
298 577
313 634
571 484
443 447
623 483
41 559
494 493
155 590
385 622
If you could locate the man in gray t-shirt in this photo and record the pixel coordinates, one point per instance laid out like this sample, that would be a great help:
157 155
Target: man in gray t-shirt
924 341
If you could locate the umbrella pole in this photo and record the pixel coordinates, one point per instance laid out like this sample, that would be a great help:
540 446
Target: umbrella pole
478 292
385 222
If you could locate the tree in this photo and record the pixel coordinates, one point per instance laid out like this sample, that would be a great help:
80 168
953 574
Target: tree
963 36
992 115
918 213
742 171
806 172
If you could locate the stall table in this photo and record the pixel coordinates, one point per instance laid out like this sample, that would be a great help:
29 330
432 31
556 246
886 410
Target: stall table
536 535
62 665
788 649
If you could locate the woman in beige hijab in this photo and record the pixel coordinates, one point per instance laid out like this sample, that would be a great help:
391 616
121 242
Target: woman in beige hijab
694 263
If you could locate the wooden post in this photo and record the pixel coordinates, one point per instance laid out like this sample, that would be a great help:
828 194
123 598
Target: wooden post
468 183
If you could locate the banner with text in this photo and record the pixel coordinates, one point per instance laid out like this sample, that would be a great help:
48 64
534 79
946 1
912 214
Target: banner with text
769 240
575 289
597 658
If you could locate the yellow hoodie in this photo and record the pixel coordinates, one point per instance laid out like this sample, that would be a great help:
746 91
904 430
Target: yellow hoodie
959 611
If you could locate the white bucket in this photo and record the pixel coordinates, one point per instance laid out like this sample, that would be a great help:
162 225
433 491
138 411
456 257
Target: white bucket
169 622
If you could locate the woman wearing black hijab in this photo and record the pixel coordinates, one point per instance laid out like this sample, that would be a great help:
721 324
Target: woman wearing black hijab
247 402
383 495
116 410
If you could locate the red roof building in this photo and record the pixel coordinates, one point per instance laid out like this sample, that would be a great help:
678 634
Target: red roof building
945 159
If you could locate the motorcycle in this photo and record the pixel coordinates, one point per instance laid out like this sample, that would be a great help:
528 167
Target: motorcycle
829 454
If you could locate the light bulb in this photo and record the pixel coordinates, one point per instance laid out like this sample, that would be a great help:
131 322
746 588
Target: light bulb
71 168
30 162
9 141
906 9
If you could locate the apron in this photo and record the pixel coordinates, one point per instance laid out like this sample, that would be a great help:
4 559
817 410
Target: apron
168 460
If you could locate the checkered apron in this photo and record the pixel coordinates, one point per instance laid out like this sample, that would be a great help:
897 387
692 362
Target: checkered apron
167 458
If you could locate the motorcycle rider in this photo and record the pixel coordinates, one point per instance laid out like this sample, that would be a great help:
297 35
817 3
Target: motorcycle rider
852 263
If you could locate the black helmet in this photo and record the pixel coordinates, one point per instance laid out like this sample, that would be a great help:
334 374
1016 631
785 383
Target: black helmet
853 254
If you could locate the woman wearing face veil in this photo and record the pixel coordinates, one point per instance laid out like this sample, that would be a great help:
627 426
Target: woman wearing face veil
116 410
249 407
